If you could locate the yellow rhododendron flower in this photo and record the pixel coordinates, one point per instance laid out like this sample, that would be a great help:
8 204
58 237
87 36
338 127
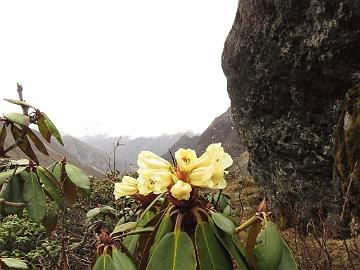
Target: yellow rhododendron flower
128 186
181 190
210 168
186 159
149 161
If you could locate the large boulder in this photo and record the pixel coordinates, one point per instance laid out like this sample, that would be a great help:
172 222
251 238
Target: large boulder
289 65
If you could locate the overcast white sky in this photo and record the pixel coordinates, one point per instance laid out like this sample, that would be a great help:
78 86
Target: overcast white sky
135 67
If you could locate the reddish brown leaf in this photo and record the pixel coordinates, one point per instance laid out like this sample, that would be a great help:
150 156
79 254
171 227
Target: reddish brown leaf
3 134
44 130
23 143
37 142
251 242
70 192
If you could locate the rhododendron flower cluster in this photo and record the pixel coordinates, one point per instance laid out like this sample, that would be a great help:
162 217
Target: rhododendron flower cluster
157 175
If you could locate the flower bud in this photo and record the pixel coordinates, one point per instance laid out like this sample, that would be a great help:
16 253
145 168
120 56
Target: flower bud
128 186
181 190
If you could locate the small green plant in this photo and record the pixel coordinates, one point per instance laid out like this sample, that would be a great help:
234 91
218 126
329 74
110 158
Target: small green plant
179 227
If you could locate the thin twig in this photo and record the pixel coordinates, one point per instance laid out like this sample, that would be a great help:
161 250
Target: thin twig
11 204
348 192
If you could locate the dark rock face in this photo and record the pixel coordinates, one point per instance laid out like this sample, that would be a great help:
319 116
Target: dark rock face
289 64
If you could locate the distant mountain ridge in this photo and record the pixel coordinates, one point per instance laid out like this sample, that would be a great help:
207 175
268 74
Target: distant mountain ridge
220 130
127 153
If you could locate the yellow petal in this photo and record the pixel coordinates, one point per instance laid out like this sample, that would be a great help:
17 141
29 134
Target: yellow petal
149 160
186 159
201 177
146 183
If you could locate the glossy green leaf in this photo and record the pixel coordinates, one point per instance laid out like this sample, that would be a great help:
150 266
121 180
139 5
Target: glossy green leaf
18 102
37 142
14 263
4 175
227 240
56 170
104 262
223 222
144 214
175 251
51 187
52 128
211 253
18 118
287 260
165 227
125 227
34 197
77 176
43 129
146 218
122 261
268 251
23 143
131 242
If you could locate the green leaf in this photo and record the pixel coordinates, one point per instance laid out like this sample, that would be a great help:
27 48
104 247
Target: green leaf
146 218
131 242
50 186
238 254
125 227
164 228
23 142
211 253
34 197
227 211
175 251
43 129
14 263
37 142
15 195
18 102
77 176
104 262
268 251
121 261
18 118
223 222
52 128
287 260
147 209
9 173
